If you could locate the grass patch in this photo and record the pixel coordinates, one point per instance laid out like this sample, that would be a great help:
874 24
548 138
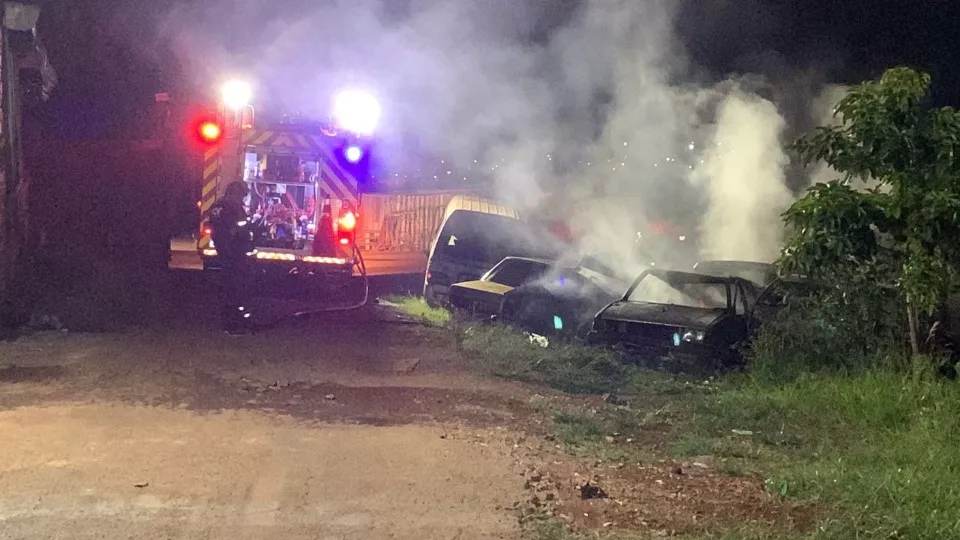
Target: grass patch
578 427
879 447
505 352
571 368
568 367
875 450
418 308
552 529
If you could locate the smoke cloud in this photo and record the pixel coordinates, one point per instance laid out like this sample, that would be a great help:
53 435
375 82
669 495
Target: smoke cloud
743 174
592 106
822 109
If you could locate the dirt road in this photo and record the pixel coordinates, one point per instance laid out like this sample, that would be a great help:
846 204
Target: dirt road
352 425
335 428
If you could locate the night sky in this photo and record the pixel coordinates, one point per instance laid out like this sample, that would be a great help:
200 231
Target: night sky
111 60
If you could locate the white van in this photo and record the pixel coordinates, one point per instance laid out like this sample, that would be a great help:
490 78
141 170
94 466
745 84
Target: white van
475 234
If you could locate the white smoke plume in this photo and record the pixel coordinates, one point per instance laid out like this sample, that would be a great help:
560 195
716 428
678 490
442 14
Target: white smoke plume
822 110
602 110
743 173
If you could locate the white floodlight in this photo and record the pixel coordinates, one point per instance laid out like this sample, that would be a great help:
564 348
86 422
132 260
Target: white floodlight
357 111
236 94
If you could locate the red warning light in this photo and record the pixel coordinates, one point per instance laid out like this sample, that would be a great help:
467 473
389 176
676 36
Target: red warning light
210 132
348 221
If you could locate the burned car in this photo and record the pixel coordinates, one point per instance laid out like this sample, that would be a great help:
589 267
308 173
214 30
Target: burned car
484 297
762 274
680 316
771 292
566 301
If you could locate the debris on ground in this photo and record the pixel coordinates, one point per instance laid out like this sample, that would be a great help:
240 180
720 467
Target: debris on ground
537 339
330 397
141 484
590 491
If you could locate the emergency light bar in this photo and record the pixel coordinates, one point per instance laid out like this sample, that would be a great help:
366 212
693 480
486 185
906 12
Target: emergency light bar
273 256
290 257
324 260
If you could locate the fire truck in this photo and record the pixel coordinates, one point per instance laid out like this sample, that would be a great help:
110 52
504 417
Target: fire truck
304 180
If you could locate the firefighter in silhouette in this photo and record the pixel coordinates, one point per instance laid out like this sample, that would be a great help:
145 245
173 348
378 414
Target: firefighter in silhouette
233 239
324 241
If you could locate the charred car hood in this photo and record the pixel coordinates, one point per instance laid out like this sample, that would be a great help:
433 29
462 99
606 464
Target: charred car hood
670 315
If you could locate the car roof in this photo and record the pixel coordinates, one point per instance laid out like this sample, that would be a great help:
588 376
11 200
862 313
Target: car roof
693 276
738 264
528 259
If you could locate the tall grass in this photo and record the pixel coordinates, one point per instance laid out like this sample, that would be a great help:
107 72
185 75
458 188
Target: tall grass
571 368
419 309
877 446
822 420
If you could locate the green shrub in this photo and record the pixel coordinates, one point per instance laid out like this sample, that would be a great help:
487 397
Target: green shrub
829 333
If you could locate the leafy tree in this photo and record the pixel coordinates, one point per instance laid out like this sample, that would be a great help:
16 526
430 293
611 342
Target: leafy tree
903 236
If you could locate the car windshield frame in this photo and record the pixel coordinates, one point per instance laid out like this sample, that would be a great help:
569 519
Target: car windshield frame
671 279
538 269
747 270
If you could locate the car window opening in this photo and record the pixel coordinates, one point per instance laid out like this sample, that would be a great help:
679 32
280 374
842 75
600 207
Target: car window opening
696 294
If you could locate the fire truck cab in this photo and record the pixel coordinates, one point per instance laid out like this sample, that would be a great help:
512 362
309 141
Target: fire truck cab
304 182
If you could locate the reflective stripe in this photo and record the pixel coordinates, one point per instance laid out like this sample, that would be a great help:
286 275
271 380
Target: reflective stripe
211 178
339 181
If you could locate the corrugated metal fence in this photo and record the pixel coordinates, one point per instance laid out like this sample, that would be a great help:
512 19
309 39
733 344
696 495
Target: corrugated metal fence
401 222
